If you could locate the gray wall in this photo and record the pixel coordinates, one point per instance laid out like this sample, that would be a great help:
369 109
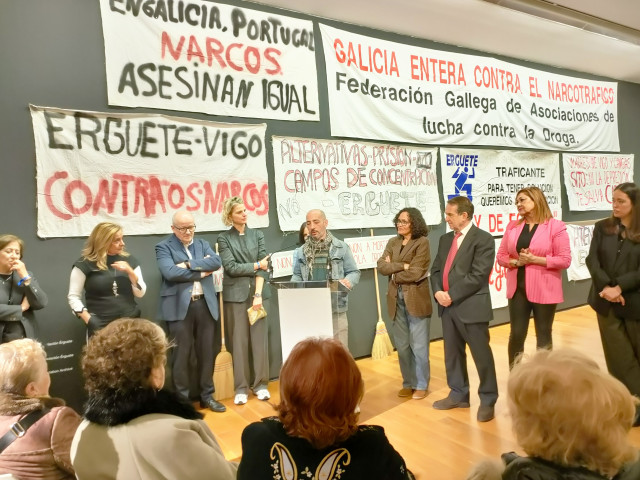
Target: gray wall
53 55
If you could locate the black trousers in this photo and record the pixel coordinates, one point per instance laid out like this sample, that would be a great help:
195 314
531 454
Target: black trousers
520 309
197 331
10 331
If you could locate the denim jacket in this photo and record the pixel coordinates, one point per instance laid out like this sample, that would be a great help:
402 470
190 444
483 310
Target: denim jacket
343 265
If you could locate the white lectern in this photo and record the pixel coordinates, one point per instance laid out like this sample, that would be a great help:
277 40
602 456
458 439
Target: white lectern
305 311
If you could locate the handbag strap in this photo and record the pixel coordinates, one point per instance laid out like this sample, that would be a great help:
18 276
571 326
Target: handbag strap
19 428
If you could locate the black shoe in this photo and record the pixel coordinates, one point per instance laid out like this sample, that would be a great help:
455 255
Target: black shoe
447 404
485 413
213 405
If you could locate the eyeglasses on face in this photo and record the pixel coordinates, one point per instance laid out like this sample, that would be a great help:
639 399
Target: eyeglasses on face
190 228
403 222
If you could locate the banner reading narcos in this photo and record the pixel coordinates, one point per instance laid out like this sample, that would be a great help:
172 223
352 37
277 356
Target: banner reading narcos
391 91
139 169
590 179
357 184
201 56
491 179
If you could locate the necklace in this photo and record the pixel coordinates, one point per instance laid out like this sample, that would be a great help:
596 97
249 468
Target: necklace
114 288
9 277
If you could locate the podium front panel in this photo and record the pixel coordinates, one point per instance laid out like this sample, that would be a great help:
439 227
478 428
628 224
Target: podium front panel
304 312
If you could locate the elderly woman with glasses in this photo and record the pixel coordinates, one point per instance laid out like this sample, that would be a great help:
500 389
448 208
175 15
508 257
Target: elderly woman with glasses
110 278
405 261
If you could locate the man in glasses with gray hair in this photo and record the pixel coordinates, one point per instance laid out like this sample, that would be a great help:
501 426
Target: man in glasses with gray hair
189 305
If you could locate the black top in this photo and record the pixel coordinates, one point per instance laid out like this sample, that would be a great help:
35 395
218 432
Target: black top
100 294
269 452
524 240
532 468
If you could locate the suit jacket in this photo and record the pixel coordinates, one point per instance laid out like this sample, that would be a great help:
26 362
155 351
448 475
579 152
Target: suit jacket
238 257
468 276
413 281
550 240
607 268
13 312
177 283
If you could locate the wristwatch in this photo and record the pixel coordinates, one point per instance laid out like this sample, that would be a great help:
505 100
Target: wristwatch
258 295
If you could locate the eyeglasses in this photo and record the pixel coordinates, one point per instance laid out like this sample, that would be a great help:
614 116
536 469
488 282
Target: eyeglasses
190 228
402 222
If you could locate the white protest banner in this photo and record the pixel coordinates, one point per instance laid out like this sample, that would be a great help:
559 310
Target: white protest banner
201 56
357 184
282 264
590 179
391 91
498 282
367 250
580 236
137 170
491 179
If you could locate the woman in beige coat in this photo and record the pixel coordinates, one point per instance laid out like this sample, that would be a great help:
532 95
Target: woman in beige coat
42 453
406 261
133 429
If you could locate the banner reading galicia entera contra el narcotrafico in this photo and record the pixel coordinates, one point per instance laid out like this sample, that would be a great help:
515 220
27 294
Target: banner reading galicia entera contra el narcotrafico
202 56
391 91
137 170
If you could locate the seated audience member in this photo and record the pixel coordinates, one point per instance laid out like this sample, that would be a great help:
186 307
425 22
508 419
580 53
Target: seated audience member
571 418
316 431
133 429
42 452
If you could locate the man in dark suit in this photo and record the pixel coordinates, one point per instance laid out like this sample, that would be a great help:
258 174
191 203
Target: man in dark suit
189 305
460 282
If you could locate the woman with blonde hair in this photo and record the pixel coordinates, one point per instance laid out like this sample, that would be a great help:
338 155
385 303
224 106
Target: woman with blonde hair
245 286
534 249
133 428
20 293
109 277
571 418
316 430
42 451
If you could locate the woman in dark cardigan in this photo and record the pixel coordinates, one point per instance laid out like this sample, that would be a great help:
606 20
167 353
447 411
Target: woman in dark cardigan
20 293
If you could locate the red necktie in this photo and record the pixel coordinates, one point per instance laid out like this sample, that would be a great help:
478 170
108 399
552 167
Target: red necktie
447 265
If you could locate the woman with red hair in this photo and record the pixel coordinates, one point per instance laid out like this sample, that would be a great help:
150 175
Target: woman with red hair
316 431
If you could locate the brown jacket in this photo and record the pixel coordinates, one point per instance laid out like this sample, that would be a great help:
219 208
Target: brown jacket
414 281
43 452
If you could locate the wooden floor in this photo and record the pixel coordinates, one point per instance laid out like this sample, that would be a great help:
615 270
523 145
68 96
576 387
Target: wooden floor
437 445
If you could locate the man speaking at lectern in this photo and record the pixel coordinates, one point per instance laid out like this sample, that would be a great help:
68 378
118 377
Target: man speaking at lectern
322 257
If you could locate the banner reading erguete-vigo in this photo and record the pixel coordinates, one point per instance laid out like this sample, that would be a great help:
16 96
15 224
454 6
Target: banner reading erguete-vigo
137 170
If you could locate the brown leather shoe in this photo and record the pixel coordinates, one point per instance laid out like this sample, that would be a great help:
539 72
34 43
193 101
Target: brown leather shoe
419 394
405 392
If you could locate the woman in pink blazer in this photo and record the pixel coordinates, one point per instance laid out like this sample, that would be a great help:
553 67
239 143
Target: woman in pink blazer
534 249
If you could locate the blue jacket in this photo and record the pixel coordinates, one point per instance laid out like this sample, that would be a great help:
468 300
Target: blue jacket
343 265
177 283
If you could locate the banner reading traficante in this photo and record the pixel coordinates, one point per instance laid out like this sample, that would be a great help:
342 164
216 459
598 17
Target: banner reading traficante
390 91
139 169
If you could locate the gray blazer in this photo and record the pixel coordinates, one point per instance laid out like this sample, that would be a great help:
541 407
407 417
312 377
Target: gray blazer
468 276
239 254
177 283
12 311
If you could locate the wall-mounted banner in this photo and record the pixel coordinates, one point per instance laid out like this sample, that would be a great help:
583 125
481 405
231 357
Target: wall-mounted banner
580 240
498 283
491 179
391 91
357 184
139 169
590 179
201 56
